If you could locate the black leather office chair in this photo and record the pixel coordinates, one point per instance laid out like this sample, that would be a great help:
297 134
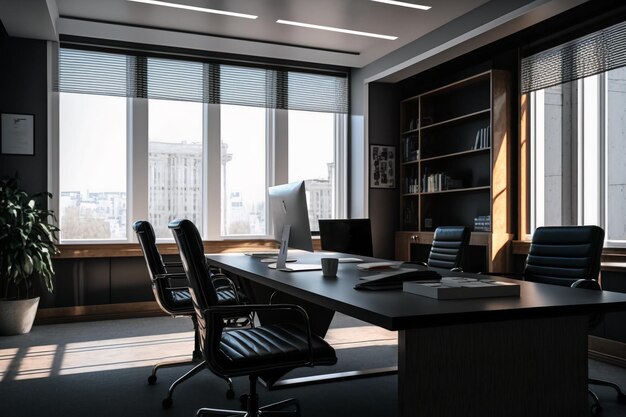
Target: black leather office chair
446 251
569 256
175 299
347 236
266 351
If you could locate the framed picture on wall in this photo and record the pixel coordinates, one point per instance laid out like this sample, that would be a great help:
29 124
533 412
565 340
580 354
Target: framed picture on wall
18 134
382 166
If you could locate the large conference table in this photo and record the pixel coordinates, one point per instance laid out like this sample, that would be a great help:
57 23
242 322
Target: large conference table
503 357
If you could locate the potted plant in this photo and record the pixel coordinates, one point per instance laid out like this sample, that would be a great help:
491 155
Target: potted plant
27 244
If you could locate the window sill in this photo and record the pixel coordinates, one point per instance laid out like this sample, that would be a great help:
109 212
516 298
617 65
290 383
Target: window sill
121 250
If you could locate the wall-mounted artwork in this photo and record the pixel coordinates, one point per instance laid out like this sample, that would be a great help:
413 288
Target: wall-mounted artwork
18 134
382 166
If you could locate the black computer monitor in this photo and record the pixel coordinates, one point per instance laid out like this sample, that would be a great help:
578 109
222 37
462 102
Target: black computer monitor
346 235
290 217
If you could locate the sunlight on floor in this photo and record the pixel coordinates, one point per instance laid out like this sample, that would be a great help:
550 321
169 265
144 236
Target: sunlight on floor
131 352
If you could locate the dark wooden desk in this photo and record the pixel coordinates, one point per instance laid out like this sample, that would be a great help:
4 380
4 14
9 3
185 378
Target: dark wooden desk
510 356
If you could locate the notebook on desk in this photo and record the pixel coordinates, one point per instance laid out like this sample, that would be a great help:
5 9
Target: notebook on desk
394 281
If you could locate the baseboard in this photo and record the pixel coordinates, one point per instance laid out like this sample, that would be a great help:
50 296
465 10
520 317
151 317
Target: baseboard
97 312
607 350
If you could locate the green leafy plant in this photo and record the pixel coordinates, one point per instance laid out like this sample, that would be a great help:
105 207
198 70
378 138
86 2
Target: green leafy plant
27 240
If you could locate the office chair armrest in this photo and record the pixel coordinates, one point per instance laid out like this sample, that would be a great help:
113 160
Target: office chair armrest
177 288
222 282
244 309
513 275
457 269
588 284
173 275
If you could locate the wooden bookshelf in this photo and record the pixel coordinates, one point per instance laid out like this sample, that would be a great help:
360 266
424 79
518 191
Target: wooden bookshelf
454 168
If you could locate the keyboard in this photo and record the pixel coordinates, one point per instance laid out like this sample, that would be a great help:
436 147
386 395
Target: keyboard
394 282
262 254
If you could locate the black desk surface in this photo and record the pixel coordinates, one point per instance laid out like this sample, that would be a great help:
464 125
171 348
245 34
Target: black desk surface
396 310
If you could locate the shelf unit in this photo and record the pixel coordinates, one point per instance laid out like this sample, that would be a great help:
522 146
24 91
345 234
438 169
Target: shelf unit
454 164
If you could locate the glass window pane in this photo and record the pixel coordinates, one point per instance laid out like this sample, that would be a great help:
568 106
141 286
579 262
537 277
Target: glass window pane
92 161
615 151
553 195
243 139
175 163
591 151
312 159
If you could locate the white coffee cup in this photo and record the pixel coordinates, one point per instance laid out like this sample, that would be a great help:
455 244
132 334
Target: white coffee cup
329 266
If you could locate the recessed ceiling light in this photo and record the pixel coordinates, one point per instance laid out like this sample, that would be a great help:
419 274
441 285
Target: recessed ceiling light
195 9
403 4
332 29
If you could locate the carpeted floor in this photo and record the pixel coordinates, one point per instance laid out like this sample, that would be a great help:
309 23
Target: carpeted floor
101 368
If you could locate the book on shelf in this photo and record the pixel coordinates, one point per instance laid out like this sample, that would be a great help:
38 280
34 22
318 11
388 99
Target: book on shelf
483 138
411 185
440 181
455 288
482 223
411 151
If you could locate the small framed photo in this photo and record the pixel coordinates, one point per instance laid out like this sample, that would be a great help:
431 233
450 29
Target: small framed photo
382 166
18 134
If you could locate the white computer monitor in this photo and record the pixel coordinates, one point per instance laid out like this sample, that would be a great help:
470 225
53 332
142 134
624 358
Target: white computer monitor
290 217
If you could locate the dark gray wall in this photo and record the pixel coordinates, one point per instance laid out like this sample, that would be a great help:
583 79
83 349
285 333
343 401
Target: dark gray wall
384 204
23 90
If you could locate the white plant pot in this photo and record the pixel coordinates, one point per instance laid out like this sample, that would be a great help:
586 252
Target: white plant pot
17 316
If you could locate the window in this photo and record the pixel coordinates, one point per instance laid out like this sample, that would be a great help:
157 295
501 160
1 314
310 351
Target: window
243 150
175 163
312 159
577 139
92 177
157 138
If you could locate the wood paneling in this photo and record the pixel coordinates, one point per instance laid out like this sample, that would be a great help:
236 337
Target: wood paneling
451 371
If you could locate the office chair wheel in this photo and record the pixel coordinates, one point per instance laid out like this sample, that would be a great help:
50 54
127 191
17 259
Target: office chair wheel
243 401
596 409
152 379
167 402
621 398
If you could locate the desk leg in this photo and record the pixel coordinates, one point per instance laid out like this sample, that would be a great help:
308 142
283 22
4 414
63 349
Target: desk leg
514 368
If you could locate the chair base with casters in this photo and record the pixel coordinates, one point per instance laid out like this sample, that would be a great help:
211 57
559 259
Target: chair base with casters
168 401
278 409
199 365
196 357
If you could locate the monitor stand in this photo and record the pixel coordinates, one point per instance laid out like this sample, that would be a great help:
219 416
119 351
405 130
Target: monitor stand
281 261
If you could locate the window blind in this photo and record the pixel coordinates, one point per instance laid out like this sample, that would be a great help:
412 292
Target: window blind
592 54
105 73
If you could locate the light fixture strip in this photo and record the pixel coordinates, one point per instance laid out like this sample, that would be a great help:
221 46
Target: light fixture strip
195 9
333 29
403 4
